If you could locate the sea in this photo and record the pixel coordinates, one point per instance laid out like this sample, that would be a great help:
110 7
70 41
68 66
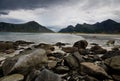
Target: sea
50 38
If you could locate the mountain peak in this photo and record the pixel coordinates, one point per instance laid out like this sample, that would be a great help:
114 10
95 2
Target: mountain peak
109 21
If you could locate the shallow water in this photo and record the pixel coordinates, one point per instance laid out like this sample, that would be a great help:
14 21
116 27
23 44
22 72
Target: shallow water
40 37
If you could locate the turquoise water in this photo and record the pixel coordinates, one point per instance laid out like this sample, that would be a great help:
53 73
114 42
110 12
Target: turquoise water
40 37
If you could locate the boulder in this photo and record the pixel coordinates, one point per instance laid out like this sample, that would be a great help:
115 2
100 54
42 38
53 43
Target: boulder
13 77
110 42
45 46
23 63
110 54
113 63
71 61
51 64
93 70
61 69
60 44
69 49
22 42
82 44
98 49
6 46
47 75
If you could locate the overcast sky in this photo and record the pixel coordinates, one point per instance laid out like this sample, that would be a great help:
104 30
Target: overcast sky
58 14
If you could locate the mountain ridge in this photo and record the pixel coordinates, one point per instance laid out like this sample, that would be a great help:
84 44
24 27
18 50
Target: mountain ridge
31 26
107 26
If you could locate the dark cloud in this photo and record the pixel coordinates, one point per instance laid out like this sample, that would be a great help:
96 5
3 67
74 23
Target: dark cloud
27 4
3 13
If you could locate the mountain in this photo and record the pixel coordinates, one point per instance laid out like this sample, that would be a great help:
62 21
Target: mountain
31 26
107 26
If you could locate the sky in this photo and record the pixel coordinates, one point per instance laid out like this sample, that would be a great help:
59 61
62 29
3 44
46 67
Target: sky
57 14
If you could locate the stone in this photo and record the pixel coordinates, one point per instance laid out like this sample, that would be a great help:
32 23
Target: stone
116 77
47 75
82 44
98 49
110 42
78 57
60 44
6 46
69 49
45 46
9 51
22 42
33 74
110 54
51 64
71 61
23 63
113 63
13 77
93 70
61 69
89 78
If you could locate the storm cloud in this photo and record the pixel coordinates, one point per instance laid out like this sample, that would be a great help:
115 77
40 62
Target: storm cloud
57 14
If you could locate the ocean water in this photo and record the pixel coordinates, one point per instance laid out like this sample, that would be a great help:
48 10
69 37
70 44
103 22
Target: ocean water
40 37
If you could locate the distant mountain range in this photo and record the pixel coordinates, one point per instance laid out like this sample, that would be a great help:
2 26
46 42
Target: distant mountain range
107 26
31 26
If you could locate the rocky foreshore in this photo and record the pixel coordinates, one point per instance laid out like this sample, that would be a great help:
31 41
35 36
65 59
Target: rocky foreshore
26 61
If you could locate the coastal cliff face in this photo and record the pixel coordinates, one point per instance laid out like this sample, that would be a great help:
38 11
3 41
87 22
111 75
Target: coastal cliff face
108 26
31 26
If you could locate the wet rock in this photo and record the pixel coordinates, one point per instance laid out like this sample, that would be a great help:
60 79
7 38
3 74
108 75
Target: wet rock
51 64
113 63
47 75
60 44
89 78
13 77
33 74
82 44
71 61
61 69
23 63
93 70
110 42
78 57
6 46
116 77
93 44
110 54
69 49
98 49
85 51
45 46
9 51
22 42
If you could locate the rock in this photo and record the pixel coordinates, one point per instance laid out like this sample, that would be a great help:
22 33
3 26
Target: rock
45 46
82 44
110 54
51 64
13 77
93 44
69 49
61 69
113 63
84 51
6 46
116 77
22 42
98 49
23 63
71 61
9 51
60 44
89 78
110 42
78 57
93 70
33 74
47 75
